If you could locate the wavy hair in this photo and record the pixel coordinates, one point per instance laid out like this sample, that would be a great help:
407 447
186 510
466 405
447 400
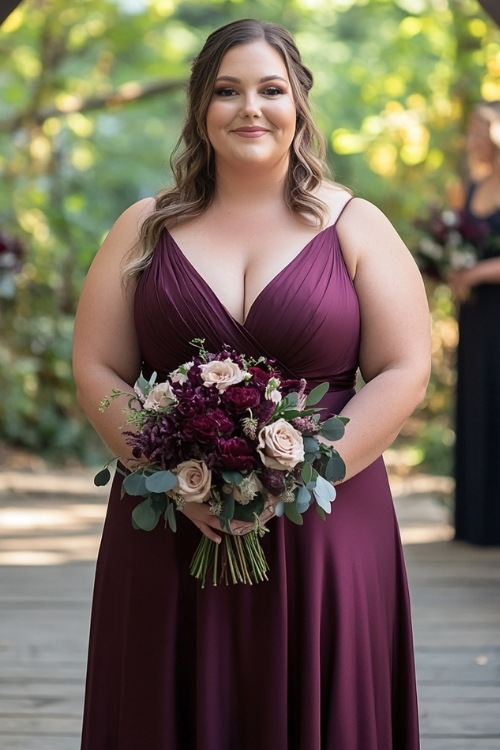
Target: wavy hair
193 159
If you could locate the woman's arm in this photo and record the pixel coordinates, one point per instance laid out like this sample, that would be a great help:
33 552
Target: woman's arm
484 272
395 334
106 352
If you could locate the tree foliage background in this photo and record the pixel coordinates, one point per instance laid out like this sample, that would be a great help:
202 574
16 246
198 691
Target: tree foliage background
91 105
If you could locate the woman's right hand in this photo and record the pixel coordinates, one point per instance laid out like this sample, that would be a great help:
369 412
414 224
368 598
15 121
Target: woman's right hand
209 525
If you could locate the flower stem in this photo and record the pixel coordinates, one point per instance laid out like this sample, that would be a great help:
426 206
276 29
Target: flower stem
239 560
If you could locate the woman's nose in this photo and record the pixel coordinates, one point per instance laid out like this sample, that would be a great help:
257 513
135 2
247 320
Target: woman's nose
251 107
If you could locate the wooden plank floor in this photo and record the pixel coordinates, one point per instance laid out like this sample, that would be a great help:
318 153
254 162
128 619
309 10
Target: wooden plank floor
49 531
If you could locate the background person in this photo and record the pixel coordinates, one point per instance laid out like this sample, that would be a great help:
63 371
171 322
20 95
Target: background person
477 290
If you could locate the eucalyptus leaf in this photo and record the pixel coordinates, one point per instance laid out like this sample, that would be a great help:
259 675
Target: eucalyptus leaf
279 509
311 445
247 512
170 517
161 481
159 501
102 477
320 512
292 399
324 493
227 512
311 457
306 472
233 477
293 514
335 468
332 429
317 394
135 483
145 516
302 499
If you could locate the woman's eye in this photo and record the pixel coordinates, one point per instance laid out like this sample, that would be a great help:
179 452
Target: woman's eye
273 91
225 92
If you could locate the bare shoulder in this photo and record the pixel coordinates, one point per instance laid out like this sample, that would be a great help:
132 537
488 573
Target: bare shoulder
124 234
134 215
335 196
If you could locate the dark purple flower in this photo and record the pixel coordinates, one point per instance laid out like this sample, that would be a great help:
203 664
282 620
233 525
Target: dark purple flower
201 428
264 411
273 480
290 386
236 454
260 377
239 399
225 424
157 442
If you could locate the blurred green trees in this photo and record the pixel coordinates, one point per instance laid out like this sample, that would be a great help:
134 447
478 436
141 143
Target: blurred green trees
91 104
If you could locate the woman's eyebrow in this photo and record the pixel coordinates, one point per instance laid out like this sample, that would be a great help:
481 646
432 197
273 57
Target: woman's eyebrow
232 79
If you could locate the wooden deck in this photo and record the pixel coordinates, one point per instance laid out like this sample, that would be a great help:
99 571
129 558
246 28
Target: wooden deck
50 525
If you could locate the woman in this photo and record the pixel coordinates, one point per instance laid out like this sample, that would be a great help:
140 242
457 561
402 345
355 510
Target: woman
245 249
477 289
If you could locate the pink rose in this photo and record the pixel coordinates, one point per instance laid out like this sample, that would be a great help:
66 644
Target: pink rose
280 445
193 481
221 373
159 397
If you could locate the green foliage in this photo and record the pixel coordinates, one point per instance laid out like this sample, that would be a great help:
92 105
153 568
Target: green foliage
91 105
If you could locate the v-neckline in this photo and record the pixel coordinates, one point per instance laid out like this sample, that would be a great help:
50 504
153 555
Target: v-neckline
266 287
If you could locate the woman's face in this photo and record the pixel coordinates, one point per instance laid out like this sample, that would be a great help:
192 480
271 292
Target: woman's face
251 117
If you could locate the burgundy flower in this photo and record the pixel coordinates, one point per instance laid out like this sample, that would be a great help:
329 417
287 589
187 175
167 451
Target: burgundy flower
260 377
236 454
225 425
263 412
239 399
201 428
273 480
290 386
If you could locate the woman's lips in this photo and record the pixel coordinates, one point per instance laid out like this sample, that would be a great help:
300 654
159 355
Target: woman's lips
250 132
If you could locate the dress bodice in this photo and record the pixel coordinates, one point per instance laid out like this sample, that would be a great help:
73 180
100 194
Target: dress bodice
306 318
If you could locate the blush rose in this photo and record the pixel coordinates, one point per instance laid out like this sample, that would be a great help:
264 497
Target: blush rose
221 373
280 446
159 397
194 479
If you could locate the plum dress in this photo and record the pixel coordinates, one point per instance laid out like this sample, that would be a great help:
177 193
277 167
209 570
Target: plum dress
320 657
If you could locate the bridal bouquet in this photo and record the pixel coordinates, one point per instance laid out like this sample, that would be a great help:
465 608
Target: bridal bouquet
230 431
448 242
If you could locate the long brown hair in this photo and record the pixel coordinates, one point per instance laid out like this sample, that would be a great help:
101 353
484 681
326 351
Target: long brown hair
193 161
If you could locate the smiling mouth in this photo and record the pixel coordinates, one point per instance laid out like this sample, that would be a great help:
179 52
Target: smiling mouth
250 132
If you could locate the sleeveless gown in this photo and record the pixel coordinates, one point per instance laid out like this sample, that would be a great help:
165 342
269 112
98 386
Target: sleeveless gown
320 657
477 479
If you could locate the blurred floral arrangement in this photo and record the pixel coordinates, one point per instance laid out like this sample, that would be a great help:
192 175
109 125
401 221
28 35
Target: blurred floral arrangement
449 241
11 263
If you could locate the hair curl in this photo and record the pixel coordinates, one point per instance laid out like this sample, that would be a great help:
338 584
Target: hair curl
193 159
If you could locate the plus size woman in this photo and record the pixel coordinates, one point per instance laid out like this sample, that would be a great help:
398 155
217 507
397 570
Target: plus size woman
252 247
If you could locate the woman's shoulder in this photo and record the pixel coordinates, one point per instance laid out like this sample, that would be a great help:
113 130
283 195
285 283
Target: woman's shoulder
337 197
139 211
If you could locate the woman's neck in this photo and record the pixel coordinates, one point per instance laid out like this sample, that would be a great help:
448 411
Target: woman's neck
247 188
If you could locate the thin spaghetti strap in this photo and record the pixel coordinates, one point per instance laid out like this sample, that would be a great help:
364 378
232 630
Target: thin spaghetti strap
342 209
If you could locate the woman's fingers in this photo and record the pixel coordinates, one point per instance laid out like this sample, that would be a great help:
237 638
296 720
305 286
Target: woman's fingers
199 514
